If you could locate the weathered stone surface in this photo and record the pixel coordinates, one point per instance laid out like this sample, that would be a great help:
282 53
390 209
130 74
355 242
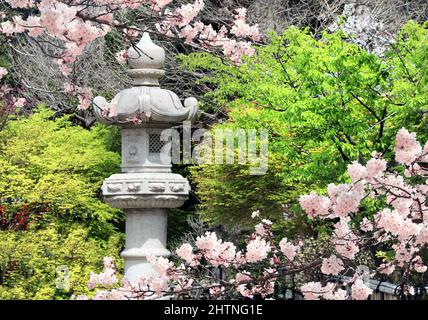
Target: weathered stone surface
146 188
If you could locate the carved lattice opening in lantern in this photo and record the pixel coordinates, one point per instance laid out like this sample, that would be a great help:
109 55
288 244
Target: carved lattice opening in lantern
155 143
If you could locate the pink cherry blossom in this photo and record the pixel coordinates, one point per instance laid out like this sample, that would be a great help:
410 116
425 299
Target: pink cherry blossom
19 103
20 3
241 280
160 264
223 253
407 148
56 16
402 205
312 290
366 225
19 24
68 87
260 229
315 290
183 283
158 284
356 171
257 250
216 290
160 4
375 167
190 33
76 25
393 222
7 28
422 237
344 239
108 262
3 72
207 241
122 56
288 249
315 205
418 264
106 278
386 268
360 291
347 202
242 29
403 253
338 294
132 32
332 265
236 50
85 98
34 26
185 252
187 12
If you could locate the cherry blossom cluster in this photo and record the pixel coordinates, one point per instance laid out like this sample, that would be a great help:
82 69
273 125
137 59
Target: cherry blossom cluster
107 278
409 152
3 72
365 27
11 103
78 23
402 223
207 37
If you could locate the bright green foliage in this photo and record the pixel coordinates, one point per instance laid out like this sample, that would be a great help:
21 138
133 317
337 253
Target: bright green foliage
54 162
31 261
55 168
325 102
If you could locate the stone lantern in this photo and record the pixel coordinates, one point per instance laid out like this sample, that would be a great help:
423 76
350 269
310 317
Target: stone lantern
146 188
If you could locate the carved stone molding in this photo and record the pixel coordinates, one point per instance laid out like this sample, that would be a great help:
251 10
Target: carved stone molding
146 190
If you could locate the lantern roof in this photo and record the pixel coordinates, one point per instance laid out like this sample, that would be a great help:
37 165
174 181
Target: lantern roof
146 101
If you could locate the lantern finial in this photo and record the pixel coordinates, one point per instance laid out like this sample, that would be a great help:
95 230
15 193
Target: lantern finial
146 61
